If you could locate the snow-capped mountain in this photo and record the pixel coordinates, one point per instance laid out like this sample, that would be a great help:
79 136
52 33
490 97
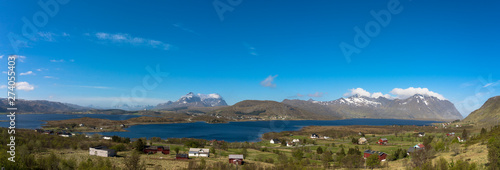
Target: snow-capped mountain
194 100
415 107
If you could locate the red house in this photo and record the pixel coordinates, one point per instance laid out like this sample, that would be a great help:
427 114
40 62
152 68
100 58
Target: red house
381 155
382 141
236 159
154 149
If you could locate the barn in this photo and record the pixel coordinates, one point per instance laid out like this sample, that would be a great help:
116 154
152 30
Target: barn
102 151
381 155
236 159
154 149
382 141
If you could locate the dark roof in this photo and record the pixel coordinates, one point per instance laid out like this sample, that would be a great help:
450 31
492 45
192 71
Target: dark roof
374 152
276 140
413 149
182 155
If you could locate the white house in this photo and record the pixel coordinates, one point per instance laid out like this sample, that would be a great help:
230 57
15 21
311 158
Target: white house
289 144
295 140
275 141
199 152
106 137
102 151
65 135
326 137
314 136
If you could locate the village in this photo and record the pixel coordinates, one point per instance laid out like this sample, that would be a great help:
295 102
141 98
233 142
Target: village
394 149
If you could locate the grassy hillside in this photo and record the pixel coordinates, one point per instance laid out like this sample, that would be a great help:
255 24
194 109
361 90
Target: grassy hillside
486 116
266 110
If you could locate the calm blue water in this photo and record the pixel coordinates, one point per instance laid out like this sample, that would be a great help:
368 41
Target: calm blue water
34 121
231 132
245 131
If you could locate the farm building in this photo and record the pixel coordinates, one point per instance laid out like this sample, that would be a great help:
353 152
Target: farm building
236 159
154 149
450 134
415 148
289 144
106 137
199 152
382 141
65 135
314 136
275 141
362 141
381 155
181 156
421 134
295 140
102 151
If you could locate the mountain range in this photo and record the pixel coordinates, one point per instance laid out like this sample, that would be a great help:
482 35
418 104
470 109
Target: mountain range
356 106
415 107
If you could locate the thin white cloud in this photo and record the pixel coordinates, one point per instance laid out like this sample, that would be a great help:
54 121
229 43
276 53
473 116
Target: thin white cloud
47 36
3 86
300 95
57 61
405 93
1 56
50 77
24 86
317 94
27 73
20 58
396 93
493 84
269 81
182 27
251 49
357 91
127 39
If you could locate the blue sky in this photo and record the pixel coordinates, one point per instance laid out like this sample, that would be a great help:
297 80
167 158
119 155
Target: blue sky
95 52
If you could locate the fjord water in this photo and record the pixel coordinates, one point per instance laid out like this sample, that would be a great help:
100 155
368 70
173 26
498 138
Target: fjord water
245 131
233 131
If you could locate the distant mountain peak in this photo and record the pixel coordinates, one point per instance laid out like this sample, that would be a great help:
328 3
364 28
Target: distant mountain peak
195 100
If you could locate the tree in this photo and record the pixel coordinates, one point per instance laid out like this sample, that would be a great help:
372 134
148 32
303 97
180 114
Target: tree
340 155
283 143
464 135
354 141
319 150
139 145
325 158
494 153
483 131
212 150
244 152
297 154
372 161
176 149
455 147
133 162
